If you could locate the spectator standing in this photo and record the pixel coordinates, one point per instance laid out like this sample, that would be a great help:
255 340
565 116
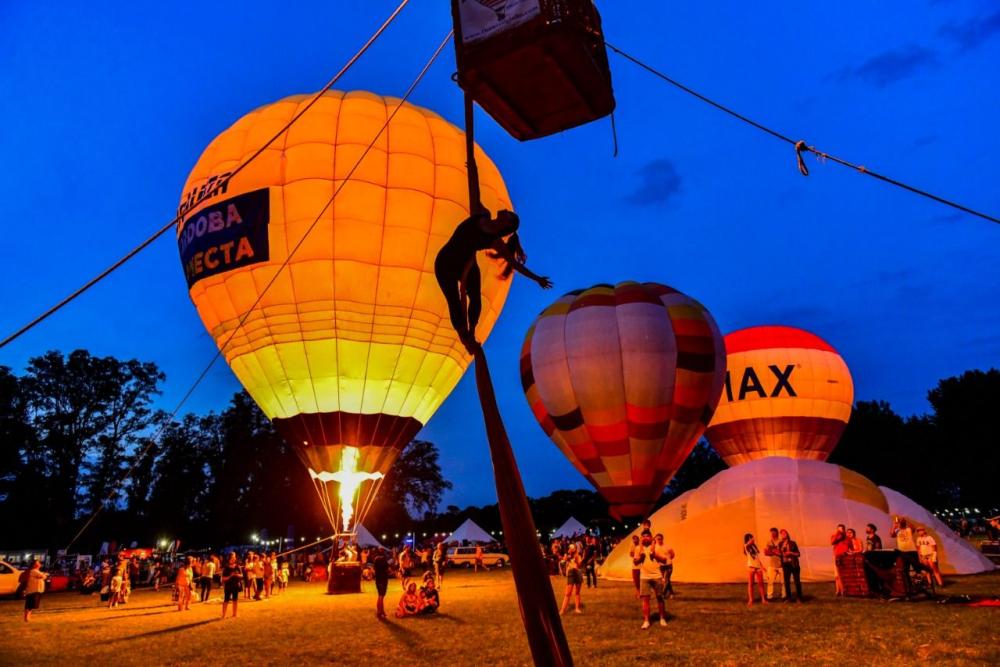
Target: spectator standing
907 547
665 556
854 545
258 574
268 567
927 548
772 565
32 581
207 574
232 582
182 584
573 562
790 566
755 569
634 553
479 558
650 579
440 562
839 543
590 560
380 567
873 541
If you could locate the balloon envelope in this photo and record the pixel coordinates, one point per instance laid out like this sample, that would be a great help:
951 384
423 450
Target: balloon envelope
624 380
350 344
787 393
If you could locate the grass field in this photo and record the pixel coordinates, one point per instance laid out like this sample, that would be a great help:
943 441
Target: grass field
480 625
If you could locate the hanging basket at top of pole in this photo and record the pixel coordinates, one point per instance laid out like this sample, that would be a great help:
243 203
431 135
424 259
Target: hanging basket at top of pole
536 66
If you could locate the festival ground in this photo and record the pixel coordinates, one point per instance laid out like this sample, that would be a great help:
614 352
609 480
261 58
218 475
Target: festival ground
480 625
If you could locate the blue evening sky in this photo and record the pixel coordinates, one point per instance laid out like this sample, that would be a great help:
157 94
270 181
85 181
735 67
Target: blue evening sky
105 106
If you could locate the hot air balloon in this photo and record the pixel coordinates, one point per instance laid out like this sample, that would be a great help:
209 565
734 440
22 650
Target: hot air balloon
624 380
350 350
787 393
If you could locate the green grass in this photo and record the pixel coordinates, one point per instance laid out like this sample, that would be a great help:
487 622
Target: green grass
480 625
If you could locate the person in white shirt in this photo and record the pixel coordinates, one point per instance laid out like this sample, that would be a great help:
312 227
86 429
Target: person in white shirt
907 548
650 579
927 548
33 581
772 565
665 555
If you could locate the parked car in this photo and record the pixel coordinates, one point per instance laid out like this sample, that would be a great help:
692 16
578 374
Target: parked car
466 557
9 576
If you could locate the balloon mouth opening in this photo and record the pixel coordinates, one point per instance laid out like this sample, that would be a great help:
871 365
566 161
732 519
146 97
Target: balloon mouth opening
349 479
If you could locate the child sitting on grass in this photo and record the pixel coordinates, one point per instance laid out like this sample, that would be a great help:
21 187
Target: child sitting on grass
410 604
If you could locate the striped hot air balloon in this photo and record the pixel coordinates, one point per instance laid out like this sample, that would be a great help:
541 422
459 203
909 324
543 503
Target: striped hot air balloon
350 350
624 380
787 393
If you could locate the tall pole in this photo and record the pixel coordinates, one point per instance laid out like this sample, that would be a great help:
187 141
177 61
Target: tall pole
539 612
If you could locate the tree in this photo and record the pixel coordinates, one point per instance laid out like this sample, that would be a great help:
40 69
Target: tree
413 487
85 410
964 449
16 438
181 485
699 467
260 484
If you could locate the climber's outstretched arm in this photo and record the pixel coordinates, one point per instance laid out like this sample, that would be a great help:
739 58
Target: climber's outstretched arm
504 251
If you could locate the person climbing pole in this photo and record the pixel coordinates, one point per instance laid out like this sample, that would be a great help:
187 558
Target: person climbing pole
458 272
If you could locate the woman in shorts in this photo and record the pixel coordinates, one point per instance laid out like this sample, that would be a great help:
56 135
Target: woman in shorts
440 562
232 583
755 569
572 562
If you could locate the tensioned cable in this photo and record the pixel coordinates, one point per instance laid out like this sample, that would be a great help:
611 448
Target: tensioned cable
801 146
177 219
246 315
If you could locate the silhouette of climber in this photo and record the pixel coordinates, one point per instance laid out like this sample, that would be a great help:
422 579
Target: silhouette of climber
458 272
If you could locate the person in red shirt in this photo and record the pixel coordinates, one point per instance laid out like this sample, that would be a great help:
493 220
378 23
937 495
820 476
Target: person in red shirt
840 544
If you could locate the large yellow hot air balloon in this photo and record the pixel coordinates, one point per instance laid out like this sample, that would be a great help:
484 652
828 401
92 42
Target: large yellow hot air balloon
787 393
350 350
624 380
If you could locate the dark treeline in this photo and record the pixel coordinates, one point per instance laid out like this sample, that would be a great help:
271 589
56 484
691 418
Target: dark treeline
71 427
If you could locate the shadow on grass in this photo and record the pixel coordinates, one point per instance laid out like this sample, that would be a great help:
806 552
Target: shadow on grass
147 613
408 637
448 617
103 605
164 631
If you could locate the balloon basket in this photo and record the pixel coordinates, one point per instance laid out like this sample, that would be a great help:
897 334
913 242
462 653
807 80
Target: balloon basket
344 578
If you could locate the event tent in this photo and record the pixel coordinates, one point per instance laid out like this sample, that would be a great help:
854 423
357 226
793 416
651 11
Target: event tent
705 526
366 539
571 528
469 532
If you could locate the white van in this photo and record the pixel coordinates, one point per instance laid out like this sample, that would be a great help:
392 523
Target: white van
466 557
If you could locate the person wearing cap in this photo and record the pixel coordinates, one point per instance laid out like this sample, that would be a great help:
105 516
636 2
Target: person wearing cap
927 548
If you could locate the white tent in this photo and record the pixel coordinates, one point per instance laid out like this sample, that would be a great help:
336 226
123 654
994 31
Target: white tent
705 526
366 539
572 528
469 532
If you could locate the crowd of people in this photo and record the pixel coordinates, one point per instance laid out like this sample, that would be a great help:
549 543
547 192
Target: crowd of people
773 570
